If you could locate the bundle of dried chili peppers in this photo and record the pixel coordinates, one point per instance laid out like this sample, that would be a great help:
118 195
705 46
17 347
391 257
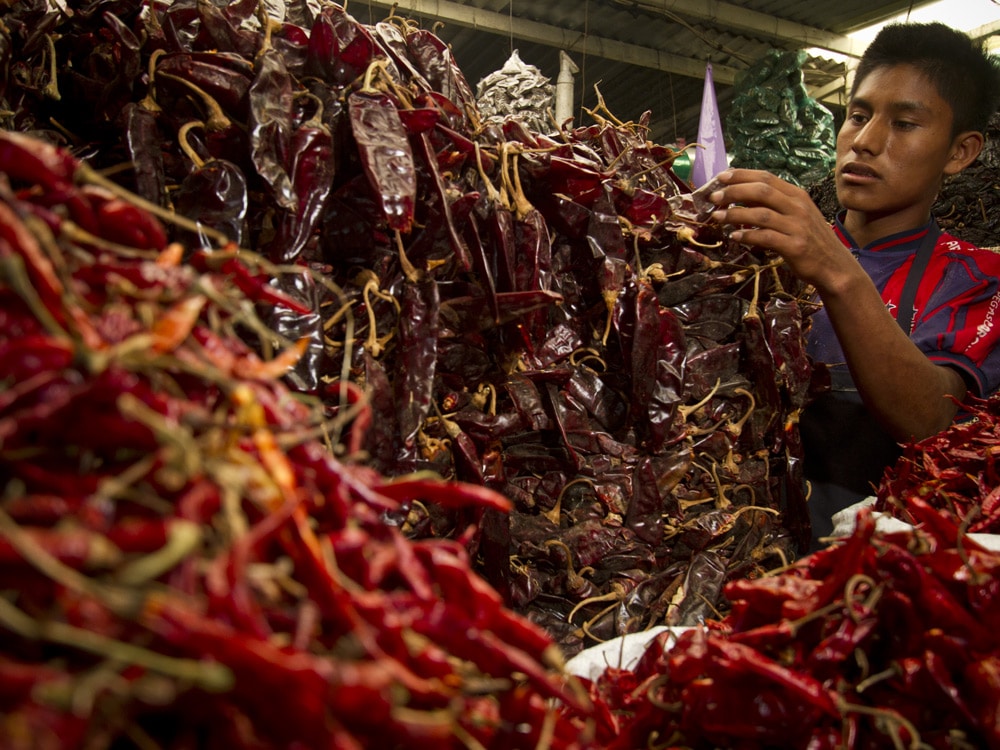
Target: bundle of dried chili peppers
954 471
882 640
184 562
543 315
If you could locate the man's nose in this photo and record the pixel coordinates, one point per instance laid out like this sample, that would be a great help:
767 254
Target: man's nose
871 137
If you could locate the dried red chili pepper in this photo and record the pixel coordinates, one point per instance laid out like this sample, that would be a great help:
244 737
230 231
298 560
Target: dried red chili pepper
532 258
983 676
214 193
28 159
224 75
448 221
145 148
340 48
783 320
255 285
499 235
307 683
19 240
122 222
435 60
311 169
418 339
657 360
271 97
80 549
385 151
220 30
448 493
34 355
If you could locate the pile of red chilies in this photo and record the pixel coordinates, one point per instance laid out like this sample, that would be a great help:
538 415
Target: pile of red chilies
954 471
184 563
879 641
544 315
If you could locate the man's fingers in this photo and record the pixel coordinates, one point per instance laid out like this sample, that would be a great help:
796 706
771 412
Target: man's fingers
758 237
733 176
752 187
758 216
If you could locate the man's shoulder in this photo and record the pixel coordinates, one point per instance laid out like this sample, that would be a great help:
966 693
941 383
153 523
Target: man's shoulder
953 244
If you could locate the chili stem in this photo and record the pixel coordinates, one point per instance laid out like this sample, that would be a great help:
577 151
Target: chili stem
77 234
183 538
14 272
494 195
217 120
207 675
614 596
43 561
186 147
149 102
51 89
893 722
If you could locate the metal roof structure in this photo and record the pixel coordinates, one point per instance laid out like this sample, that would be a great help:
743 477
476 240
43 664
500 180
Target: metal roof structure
649 54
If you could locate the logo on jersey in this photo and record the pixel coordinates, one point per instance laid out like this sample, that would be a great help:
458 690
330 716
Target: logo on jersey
984 328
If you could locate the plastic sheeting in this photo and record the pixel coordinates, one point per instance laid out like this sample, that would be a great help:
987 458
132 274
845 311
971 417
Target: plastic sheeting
517 90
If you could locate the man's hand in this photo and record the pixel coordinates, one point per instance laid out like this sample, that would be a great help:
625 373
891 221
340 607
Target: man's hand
774 214
905 391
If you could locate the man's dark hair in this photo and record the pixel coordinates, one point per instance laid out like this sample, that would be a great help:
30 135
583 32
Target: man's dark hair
963 73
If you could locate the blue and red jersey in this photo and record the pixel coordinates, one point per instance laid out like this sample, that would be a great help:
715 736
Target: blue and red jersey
956 318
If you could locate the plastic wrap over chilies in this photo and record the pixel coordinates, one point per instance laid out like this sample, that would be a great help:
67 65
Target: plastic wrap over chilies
517 90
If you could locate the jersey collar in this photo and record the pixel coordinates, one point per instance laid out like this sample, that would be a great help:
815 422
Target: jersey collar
907 240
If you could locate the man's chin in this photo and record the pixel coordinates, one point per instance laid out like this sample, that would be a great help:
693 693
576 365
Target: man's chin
853 197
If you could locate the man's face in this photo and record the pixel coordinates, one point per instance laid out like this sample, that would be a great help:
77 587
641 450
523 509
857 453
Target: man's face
894 146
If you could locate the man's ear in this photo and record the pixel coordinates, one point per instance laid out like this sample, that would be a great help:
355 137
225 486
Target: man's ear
964 150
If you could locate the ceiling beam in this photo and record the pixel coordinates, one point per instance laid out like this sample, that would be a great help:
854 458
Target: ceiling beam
832 93
560 38
760 25
719 13
986 30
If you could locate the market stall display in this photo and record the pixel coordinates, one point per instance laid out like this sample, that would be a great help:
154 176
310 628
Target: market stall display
333 415
954 471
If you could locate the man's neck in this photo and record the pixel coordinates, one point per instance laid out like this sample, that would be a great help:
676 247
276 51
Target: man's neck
866 228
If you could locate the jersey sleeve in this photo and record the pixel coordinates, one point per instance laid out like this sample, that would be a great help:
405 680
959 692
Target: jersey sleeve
958 315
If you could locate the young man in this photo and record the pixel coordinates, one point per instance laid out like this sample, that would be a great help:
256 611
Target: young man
910 317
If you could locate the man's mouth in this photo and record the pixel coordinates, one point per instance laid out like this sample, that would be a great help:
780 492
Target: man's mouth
856 172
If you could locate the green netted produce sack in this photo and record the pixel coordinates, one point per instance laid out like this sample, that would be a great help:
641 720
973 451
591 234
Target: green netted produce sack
775 125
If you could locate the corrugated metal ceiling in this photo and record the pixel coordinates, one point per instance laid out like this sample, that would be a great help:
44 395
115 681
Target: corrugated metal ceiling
643 54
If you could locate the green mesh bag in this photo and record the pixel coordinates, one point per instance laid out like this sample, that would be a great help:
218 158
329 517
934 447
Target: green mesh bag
775 125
